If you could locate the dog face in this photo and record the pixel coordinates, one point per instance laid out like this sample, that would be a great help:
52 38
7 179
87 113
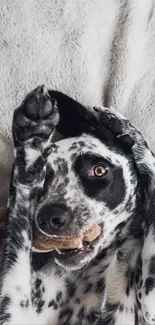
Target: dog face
86 182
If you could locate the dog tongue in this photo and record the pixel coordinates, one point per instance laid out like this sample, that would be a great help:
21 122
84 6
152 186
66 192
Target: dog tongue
45 243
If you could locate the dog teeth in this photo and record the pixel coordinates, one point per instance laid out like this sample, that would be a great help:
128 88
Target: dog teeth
58 251
80 245
61 252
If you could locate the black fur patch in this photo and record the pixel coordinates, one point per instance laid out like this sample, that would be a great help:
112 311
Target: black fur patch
149 285
109 188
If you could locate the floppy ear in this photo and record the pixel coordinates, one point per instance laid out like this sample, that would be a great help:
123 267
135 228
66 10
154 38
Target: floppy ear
72 122
76 119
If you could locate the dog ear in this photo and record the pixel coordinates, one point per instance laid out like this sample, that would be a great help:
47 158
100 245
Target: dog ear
73 121
76 119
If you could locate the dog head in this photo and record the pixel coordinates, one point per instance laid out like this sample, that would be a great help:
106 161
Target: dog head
89 179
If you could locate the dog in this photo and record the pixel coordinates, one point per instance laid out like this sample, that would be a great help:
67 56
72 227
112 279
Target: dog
101 172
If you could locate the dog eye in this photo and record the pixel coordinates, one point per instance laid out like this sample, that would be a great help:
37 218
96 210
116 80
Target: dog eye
100 171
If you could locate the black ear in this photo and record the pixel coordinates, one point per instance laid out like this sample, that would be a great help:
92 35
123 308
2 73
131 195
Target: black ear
73 121
76 119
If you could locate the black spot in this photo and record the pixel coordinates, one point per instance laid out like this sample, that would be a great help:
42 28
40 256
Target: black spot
5 316
55 306
140 296
38 283
65 316
73 156
27 249
43 289
36 143
61 165
77 301
91 317
51 303
88 287
100 286
129 204
130 274
48 179
109 316
5 302
81 314
37 294
82 144
34 172
36 193
62 186
104 267
121 307
71 288
73 147
131 279
147 315
127 290
149 285
137 276
54 147
40 306
24 304
58 296
47 152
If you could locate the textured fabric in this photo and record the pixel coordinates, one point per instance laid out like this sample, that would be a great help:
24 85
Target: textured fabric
99 52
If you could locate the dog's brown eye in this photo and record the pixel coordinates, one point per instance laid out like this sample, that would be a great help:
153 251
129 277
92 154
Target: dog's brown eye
100 171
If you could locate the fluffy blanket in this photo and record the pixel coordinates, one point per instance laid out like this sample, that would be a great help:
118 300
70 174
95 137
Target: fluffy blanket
100 52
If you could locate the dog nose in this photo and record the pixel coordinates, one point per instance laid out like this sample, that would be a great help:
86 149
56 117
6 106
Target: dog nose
52 219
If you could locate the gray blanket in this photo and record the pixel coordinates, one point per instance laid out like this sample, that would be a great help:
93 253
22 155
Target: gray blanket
99 52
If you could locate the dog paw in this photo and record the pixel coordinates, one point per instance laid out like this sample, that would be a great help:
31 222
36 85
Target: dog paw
37 116
119 126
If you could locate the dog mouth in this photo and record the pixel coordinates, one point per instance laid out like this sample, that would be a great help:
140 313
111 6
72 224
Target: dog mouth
68 247
74 259
85 247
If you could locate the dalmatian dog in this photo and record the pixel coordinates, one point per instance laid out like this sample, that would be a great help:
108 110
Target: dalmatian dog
101 172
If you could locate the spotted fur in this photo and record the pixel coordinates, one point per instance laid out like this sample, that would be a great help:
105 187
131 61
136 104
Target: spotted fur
53 187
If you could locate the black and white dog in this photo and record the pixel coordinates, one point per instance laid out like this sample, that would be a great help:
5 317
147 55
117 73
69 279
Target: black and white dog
102 172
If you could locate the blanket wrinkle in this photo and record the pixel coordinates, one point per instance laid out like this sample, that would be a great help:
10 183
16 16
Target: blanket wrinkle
100 52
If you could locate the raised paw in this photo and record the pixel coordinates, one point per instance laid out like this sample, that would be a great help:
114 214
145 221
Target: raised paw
119 126
37 116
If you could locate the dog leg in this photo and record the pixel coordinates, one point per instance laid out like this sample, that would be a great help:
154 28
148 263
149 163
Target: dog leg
33 124
144 160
